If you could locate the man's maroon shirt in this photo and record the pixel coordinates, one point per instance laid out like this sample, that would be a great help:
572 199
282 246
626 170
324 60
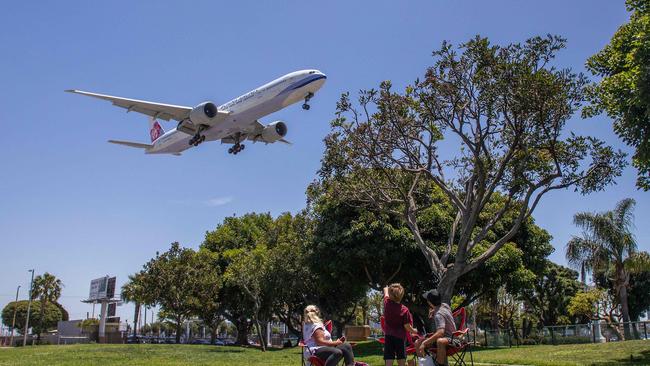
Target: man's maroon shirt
395 316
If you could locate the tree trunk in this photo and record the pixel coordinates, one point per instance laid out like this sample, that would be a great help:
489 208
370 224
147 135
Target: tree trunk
179 330
213 334
259 334
447 284
625 312
135 319
242 331
286 319
421 318
43 304
494 311
621 289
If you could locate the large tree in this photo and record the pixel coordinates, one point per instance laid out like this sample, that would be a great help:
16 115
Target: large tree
169 280
502 112
46 288
206 291
237 235
290 273
248 272
368 250
43 317
607 246
553 289
624 90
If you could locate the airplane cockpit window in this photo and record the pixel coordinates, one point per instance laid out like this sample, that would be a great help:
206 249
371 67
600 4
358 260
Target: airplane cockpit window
311 72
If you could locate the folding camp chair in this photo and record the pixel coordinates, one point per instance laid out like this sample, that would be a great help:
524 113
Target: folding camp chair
312 359
457 353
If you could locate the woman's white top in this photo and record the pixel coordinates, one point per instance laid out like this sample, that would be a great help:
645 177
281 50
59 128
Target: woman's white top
308 335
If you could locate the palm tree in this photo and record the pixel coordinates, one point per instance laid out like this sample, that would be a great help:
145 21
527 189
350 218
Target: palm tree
133 291
47 288
607 246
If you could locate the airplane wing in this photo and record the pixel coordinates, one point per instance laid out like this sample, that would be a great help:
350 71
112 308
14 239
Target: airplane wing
252 132
156 110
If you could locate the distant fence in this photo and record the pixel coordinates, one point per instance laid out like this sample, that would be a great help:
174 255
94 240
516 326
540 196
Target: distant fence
561 334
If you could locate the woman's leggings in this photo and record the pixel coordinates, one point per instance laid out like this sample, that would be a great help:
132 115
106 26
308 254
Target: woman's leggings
332 355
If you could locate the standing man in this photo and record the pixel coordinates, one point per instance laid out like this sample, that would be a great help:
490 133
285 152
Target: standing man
445 328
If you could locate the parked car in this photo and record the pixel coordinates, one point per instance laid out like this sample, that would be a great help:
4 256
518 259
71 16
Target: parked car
200 341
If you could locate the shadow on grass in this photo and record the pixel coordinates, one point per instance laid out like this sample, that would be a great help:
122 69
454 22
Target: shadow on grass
240 349
218 349
642 359
481 349
368 349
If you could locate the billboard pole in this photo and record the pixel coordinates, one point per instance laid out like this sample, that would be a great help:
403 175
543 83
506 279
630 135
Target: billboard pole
29 307
102 321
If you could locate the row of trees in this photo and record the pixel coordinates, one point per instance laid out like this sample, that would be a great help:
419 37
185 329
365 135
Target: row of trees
617 290
256 268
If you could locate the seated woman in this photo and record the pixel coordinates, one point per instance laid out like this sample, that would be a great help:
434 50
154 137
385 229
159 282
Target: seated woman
319 341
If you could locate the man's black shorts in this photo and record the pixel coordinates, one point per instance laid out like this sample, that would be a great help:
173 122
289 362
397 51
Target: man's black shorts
394 348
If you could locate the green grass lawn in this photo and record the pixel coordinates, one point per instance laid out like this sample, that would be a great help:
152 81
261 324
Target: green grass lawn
108 355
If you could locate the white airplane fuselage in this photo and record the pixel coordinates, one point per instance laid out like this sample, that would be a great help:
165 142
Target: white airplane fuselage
247 109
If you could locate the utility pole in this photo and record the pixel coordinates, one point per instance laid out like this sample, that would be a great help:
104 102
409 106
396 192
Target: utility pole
13 323
29 307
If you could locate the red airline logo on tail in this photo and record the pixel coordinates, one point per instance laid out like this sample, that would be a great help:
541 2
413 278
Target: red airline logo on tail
156 131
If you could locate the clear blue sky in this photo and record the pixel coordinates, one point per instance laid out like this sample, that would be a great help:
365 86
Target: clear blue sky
80 208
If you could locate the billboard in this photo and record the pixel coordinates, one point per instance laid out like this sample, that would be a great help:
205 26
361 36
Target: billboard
112 307
102 288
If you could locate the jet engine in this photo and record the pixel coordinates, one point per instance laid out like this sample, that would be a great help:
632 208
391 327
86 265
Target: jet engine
274 131
203 113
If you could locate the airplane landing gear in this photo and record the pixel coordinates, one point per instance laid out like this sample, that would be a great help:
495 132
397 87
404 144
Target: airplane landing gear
305 106
236 148
198 138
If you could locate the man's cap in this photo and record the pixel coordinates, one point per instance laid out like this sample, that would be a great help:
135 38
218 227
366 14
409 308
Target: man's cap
433 297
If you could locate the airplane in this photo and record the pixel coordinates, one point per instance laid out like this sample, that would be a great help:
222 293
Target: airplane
232 123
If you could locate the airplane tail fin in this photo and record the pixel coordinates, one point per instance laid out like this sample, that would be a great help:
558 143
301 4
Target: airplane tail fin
131 144
155 129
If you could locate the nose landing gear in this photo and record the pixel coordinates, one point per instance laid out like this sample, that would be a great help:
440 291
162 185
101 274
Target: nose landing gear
305 106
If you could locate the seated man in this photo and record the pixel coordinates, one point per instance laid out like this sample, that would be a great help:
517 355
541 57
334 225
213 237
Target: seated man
445 328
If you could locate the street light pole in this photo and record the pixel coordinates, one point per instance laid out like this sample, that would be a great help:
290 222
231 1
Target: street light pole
13 323
29 307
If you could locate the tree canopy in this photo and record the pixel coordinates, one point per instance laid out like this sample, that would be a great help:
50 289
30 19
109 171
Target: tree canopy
502 112
624 90
41 318
168 280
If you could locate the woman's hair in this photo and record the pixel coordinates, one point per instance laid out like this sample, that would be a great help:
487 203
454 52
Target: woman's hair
312 314
396 292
